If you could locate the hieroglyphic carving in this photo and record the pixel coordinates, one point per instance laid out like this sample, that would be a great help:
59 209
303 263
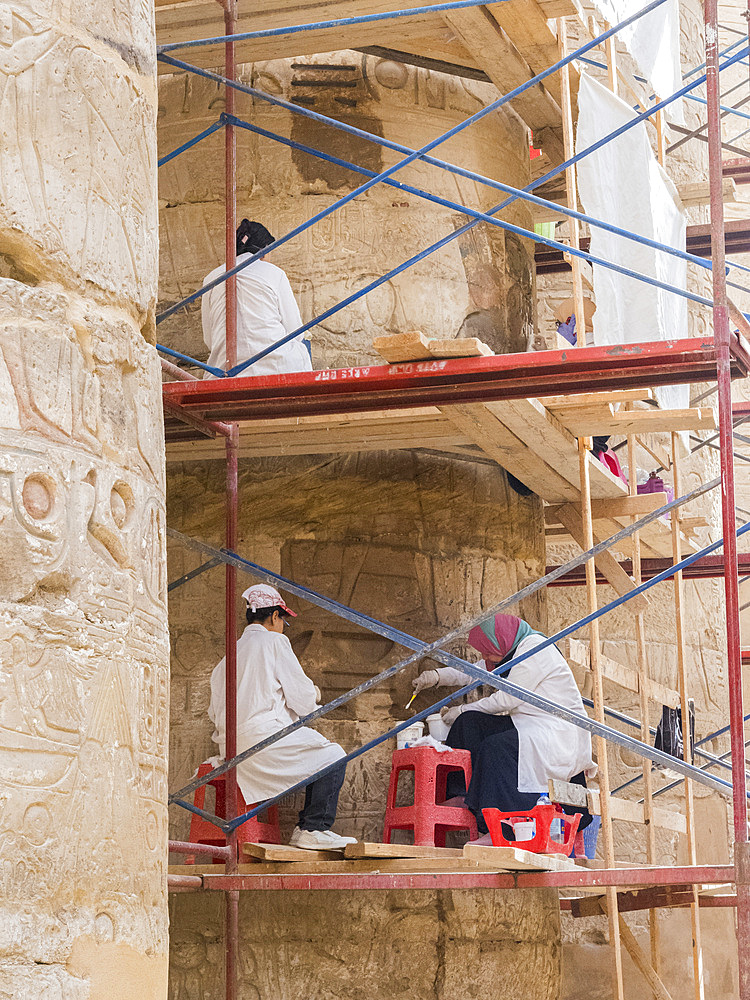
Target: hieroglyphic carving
97 220
83 639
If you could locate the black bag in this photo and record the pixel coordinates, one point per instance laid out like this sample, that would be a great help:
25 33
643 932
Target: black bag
669 736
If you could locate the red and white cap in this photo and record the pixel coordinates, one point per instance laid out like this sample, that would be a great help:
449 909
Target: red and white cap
264 596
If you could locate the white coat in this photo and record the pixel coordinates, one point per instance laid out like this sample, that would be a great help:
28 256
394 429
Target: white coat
266 312
548 747
273 691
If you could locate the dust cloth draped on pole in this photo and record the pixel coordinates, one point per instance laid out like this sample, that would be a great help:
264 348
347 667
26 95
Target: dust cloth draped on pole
273 691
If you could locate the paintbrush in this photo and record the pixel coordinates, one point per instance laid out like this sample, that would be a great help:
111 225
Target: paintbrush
412 699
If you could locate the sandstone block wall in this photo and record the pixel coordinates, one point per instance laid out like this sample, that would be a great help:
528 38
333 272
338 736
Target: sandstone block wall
83 637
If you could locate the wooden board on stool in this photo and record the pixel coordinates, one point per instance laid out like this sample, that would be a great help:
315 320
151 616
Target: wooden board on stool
283 852
364 850
514 859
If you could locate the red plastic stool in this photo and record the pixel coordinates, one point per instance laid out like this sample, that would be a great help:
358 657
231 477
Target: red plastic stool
427 816
252 831
542 816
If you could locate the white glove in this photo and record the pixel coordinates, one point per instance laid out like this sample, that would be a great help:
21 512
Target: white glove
427 679
451 714
318 695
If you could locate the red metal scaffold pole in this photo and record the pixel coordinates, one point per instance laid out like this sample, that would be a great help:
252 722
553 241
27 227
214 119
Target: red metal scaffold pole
731 579
230 196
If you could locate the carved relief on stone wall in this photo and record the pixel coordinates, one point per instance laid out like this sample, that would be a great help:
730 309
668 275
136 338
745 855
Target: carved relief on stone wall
84 194
365 239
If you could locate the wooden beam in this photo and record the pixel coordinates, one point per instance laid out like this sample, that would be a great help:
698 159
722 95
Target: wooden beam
641 504
570 517
650 421
480 423
640 959
494 52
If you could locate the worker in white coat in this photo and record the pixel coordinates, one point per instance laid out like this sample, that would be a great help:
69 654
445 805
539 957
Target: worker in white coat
515 747
273 691
266 311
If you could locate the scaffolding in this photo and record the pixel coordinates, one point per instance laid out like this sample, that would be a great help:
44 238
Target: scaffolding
461 406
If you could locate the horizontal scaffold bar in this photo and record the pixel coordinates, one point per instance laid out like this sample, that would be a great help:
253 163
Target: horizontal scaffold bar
340 22
708 568
578 878
459 380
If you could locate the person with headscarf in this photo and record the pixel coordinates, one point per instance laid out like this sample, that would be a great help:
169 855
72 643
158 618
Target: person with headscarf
515 747
266 311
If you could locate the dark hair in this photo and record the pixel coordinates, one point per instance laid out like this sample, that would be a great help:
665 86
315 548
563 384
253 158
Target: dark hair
263 614
252 237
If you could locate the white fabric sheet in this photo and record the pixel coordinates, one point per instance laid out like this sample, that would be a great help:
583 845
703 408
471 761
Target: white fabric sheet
623 184
266 312
547 747
654 43
273 691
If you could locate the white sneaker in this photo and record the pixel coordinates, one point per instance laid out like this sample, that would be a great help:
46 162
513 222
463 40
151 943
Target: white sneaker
317 840
295 836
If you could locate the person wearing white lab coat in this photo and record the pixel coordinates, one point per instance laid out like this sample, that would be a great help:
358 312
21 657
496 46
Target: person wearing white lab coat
273 692
515 747
266 311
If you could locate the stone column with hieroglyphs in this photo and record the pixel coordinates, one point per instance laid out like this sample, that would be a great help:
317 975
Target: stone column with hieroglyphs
83 639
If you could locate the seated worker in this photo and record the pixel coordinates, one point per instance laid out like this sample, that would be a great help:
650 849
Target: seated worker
273 691
266 311
515 748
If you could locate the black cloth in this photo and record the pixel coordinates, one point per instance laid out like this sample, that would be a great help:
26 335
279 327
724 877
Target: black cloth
252 237
321 801
492 741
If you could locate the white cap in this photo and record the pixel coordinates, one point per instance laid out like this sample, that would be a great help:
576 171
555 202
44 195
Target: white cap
262 595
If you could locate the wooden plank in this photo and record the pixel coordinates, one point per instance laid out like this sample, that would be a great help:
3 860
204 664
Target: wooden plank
409 346
616 507
480 424
625 677
697 193
625 810
514 859
658 989
342 865
460 347
415 346
632 812
525 23
650 421
570 517
494 52
363 849
283 852
573 401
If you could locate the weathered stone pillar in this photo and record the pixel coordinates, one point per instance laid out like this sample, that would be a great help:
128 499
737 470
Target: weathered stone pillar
83 639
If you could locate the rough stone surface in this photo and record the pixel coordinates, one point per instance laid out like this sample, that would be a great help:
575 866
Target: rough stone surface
83 638
355 946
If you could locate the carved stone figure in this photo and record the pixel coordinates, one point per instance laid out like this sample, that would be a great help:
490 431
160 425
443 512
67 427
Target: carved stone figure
83 639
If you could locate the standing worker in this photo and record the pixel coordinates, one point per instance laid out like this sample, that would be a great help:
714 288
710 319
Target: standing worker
266 312
515 747
273 691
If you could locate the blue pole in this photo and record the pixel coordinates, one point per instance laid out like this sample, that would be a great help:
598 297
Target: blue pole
482 113
462 229
192 142
341 22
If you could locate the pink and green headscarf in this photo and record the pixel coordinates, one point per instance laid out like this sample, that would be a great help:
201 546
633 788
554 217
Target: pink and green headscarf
500 635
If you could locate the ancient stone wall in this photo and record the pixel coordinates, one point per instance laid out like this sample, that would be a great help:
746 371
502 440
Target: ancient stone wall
478 285
83 637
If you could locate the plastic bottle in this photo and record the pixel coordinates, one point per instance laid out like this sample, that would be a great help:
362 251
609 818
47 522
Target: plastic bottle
555 827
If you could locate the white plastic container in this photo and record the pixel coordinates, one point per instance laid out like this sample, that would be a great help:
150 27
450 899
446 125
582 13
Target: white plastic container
409 735
525 830
437 728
